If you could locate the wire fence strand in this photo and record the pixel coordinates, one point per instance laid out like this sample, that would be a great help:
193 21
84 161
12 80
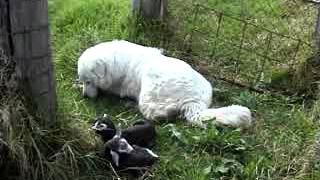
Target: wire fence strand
236 55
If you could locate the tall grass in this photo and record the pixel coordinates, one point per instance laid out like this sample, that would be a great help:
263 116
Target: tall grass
31 152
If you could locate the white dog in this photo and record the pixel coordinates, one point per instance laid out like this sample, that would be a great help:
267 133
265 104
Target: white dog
163 86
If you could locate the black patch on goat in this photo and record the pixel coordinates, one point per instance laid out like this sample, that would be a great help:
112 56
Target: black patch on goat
142 133
124 155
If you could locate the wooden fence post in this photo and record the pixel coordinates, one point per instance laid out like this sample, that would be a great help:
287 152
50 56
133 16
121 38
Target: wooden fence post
152 9
24 36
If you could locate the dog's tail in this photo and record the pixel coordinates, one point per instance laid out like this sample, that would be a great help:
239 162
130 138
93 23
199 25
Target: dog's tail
233 116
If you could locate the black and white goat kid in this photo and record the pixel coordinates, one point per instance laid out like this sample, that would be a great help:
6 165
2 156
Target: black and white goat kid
125 155
141 133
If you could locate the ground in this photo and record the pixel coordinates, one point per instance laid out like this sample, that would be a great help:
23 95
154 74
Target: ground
278 146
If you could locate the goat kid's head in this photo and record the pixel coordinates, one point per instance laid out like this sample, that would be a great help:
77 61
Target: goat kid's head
119 144
104 127
103 123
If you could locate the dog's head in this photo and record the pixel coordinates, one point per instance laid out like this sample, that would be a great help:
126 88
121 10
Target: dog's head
93 73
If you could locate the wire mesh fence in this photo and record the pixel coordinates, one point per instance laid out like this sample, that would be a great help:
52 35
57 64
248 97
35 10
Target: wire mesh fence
239 49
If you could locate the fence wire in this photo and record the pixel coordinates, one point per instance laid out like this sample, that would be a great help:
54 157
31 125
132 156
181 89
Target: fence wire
224 41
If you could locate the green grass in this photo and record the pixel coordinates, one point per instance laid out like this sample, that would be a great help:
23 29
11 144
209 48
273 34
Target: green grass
276 147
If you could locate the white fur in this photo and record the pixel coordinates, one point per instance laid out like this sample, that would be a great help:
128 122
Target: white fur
235 115
163 86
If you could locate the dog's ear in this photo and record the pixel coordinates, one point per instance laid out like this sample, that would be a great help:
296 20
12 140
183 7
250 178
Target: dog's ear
100 69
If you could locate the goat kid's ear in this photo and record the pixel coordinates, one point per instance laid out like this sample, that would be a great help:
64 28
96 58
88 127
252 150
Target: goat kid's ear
115 157
152 153
118 133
